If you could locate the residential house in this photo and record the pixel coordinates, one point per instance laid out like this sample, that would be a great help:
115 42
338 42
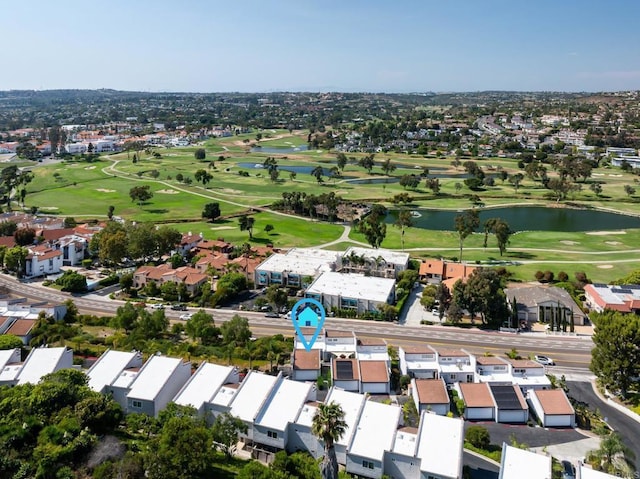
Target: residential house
401 460
519 463
456 365
479 404
372 349
494 370
373 436
254 392
511 407
552 408
529 374
374 377
22 328
283 406
419 361
430 395
586 472
437 271
204 384
42 361
352 405
306 364
373 262
545 304
340 344
345 374
109 366
188 242
164 273
440 441
363 294
10 365
297 268
42 260
156 384
300 437
622 298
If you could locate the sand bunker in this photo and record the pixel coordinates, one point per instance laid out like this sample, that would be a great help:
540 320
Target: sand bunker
168 192
102 190
569 243
613 243
231 191
49 208
222 227
604 233
90 168
605 266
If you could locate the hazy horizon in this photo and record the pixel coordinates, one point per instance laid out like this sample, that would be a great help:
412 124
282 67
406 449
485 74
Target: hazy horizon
250 46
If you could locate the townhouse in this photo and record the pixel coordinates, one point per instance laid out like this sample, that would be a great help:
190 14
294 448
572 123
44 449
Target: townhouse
622 298
40 362
205 384
430 395
109 366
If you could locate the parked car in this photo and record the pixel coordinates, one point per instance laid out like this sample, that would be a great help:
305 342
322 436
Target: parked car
568 470
271 315
186 316
179 307
544 360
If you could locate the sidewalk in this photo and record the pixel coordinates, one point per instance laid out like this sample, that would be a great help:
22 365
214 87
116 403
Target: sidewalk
624 410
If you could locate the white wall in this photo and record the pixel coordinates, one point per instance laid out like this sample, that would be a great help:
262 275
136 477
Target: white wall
376 388
396 465
305 374
513 416
299 438
477 413
354 466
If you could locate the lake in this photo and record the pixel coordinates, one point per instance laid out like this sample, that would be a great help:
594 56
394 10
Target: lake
305 170
528 218
279 151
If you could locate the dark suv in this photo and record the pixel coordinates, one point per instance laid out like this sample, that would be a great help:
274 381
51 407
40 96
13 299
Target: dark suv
179 307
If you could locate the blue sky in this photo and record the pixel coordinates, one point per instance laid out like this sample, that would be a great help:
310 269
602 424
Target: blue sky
330 45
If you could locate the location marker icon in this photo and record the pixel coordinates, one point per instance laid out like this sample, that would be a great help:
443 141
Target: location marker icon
308 313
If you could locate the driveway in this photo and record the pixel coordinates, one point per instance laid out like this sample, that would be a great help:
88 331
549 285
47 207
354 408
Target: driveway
414 312
531 436
628 429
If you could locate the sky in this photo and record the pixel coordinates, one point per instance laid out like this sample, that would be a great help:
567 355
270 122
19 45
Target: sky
316 46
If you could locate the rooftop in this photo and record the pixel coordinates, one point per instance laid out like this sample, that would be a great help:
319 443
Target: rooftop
41 361
351 404
405 443
153 376
419 349
305 418
440 445
345 369
431 391
203 385
374 371
109 366
376 430
252 393
537 465
477 395
284 406
490 361
508 397
301 261
307 360
389 256
554 401
353 286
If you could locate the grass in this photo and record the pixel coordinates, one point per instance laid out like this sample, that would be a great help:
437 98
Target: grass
85 190
494 452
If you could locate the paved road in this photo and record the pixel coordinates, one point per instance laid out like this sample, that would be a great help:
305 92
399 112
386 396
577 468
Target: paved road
480 468
628 429
574 352
531 436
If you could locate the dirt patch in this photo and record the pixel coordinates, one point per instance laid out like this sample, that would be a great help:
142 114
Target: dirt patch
102 190
605 233
168 192
90 168
231 191
605 266
613 243
569 242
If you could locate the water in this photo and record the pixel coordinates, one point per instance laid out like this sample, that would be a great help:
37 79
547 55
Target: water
305 170
528 218
279 151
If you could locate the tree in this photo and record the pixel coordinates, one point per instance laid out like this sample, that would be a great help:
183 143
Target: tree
501 230
373 226
388 167
202 327
629 190
225 432
236 331
277 296
409 181
596 188
341 161
203 175
403 221
433 184
15 260
166 239
615 358
329 426
200 154
141 240
317 173
126 282
72 282
516 180
559 187
211 211
140 194
10 341
268 228
111 243
367 162
613 457
24 236
126 317
246 224
465 224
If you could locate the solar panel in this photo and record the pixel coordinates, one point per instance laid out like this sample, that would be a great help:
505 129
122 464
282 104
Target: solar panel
506 397
344 370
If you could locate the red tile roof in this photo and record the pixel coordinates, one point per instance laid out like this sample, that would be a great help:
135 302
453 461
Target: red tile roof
554 401
374 372
307 360
432 391
21 327
477 395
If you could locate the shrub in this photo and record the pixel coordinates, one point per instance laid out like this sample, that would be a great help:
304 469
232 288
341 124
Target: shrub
478 436
539 276
562 276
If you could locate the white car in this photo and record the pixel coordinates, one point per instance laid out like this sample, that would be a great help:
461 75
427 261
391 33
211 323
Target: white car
157 306
186 316
544 360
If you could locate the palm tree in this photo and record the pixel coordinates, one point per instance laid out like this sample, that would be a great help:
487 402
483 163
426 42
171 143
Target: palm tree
329 426
613 455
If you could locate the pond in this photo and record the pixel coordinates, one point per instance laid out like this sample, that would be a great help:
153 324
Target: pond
279 151
527 218
304 170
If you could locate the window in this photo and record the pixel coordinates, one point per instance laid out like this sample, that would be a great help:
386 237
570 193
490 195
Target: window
367 464
272 434
136 404
452 377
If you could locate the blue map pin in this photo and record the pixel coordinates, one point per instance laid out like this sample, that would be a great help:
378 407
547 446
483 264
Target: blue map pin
308 313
